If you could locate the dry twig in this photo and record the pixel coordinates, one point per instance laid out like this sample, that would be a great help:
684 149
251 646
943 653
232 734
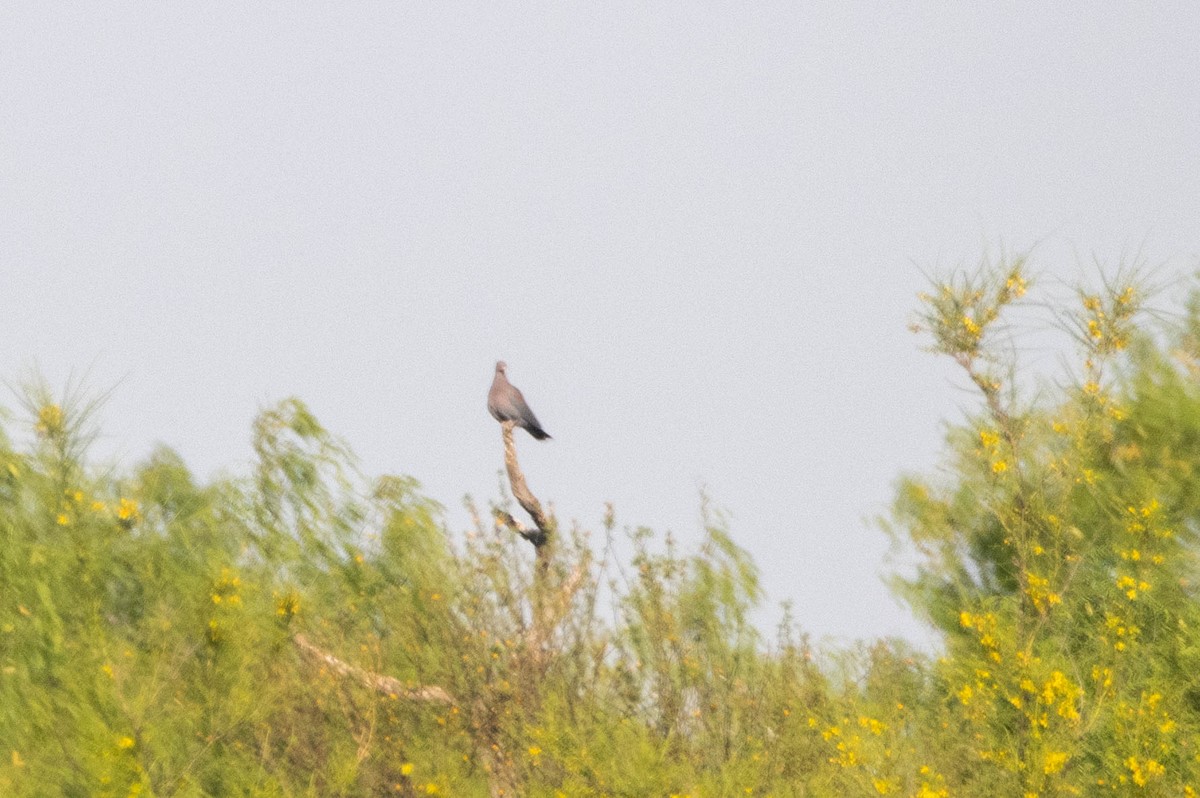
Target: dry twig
387 685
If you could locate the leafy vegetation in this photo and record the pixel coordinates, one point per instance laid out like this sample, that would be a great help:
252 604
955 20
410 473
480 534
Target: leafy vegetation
308 631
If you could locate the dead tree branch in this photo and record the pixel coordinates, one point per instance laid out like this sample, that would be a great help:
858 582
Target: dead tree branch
550 613
549 604
534 536
500 776
520 491
389 686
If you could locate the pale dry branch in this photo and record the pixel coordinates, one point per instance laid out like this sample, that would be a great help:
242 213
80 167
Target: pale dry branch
386 685
534 536
570 586
551 612
522 494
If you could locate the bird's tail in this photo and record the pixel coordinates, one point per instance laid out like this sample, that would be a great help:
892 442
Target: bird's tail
538 433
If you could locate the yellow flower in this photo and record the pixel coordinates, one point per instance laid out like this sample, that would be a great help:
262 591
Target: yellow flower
1131 586
874 726
999 467
406 769
127 510
287 605
125 743
534 750
50 421
1054 761
1141 773
63 519
927 790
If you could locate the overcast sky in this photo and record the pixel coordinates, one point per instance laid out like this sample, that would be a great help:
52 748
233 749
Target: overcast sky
695 231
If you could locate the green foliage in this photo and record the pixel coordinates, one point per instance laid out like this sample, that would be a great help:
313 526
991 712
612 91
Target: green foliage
309 631
1058 559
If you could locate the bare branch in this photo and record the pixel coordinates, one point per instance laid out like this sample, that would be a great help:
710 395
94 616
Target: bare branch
387 685
551 612
534 536
521 492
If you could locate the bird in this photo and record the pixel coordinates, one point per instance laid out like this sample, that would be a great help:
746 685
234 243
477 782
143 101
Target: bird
506 403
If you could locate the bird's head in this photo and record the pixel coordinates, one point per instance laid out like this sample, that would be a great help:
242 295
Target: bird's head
501 366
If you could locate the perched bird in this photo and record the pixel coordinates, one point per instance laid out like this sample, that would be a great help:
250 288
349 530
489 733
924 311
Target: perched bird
506 403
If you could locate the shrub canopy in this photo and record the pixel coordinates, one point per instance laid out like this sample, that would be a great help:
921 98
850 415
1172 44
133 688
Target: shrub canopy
305 630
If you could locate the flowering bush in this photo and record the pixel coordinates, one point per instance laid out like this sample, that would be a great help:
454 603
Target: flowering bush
307 631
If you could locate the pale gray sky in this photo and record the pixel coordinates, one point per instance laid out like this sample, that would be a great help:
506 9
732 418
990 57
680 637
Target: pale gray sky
692 230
